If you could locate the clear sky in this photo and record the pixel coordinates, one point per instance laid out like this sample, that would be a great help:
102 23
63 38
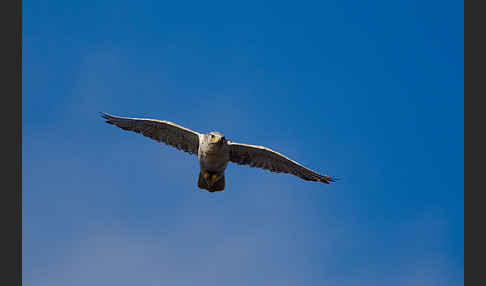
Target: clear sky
368 91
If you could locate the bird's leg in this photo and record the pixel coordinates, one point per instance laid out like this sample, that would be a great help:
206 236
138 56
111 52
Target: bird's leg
206 177
214 178
211 178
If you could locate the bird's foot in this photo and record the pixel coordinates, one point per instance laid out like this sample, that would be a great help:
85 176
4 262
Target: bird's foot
206 176
214 178
210 178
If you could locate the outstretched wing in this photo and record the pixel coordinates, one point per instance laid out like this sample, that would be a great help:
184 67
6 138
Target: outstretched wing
265 158
163 131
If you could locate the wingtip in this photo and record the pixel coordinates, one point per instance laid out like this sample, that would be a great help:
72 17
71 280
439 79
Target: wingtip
331 179
104 115
107 117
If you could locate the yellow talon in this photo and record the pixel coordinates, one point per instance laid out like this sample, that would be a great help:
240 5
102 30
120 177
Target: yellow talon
206 175
214 178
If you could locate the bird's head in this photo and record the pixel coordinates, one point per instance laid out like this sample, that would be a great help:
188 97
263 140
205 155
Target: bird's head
216 137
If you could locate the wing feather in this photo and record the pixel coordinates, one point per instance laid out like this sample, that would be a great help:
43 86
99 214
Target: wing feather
268 159
162 131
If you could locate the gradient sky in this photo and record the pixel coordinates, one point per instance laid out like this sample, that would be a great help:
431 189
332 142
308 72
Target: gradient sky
368 91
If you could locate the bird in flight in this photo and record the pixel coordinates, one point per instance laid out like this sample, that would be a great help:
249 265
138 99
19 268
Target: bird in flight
214 151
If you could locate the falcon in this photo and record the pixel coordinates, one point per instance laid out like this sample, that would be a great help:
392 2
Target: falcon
214 151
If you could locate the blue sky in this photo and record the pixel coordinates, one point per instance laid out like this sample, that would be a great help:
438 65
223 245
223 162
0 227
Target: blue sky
371 92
